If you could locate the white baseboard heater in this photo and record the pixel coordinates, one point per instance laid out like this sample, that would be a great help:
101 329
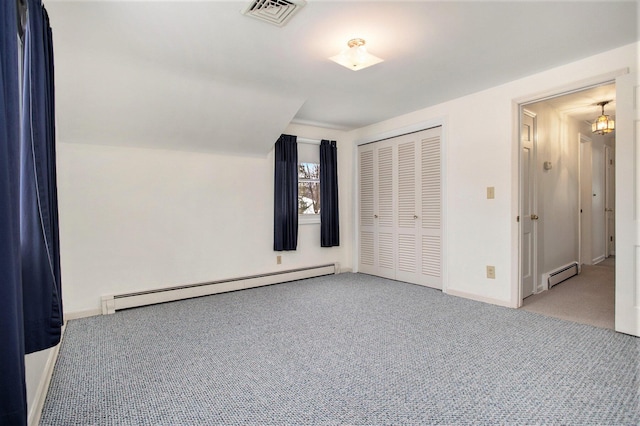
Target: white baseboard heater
564 273
113 302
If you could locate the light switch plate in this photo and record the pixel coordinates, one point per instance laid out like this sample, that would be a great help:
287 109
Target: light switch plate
491 271
491 192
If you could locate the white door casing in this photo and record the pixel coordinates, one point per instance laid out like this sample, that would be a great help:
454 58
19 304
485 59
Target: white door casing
627 208
528 228
609 187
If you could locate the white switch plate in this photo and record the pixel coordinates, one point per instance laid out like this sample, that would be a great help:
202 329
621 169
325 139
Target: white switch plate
491 271
491 192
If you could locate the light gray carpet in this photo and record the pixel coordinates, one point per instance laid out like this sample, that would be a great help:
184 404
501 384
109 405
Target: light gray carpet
587 298
346 349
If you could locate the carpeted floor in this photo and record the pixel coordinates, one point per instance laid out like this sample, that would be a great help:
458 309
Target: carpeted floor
346 349
587 298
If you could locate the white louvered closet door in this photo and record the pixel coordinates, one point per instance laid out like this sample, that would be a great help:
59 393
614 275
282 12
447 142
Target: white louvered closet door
385 210
376 214
407 254
400 208
367 257
430 221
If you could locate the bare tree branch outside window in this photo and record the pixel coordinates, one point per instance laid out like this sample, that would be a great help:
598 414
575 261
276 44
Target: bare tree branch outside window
308 188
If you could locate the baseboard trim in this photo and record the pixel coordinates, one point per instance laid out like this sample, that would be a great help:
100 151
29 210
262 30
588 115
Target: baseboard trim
478 298
35 411
598 259
82 314
113 302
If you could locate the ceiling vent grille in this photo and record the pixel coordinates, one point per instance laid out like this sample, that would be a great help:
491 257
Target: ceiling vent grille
276 12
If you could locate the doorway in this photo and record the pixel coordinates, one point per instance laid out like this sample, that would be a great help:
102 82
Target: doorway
563 220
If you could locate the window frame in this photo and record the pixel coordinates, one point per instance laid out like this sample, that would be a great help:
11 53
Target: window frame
310 154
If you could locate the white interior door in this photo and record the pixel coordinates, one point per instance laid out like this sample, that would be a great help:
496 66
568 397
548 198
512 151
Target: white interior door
528 249
627 210
586 196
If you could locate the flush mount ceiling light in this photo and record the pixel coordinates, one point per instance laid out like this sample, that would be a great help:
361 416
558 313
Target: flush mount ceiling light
356 56
603 124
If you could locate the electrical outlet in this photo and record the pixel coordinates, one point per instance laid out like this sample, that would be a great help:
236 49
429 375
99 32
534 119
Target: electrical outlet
491 192
491 271
279 259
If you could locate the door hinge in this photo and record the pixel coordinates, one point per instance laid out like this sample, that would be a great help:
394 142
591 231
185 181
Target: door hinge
518 219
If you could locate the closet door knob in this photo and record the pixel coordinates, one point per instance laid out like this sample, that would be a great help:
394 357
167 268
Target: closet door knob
375 216
415 216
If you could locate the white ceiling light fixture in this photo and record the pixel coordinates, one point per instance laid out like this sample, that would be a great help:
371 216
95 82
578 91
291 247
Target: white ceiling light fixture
603 124
356 56
276 12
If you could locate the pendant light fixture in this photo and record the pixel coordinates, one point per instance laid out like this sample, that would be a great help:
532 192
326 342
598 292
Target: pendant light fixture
356 56
603 124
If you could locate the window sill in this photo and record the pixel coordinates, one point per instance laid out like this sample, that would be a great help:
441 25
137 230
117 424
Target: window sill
309 219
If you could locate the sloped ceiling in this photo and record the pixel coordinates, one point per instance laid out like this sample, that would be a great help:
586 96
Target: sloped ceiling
198 75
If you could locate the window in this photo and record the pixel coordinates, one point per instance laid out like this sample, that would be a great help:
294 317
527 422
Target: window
308 188
308 182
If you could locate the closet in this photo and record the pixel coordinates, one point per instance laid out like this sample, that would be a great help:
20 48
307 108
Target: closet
400 208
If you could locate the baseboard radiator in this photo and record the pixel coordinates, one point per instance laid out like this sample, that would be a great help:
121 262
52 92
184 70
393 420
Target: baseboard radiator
112 303
564 273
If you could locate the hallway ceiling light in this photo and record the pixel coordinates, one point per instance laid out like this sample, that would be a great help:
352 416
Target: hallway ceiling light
603 124
356 56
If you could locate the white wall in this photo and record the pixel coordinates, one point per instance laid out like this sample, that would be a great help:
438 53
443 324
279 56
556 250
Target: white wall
481 150
135 219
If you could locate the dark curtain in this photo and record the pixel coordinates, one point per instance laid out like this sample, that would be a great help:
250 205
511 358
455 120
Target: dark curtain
285 228
329 218
38 199
13 404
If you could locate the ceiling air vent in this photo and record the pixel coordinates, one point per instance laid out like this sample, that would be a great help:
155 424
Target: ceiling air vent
276 12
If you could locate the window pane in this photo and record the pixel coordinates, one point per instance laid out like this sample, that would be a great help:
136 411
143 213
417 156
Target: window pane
308 197
309 171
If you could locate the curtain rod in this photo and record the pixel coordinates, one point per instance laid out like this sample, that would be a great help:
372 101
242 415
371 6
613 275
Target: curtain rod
309 141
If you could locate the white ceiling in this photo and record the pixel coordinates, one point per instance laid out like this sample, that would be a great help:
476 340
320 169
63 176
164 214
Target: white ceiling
201 76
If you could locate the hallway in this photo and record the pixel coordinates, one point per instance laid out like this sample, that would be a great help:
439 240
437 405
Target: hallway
587 298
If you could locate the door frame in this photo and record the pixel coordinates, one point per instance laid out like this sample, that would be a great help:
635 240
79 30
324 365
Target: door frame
516 107
609 200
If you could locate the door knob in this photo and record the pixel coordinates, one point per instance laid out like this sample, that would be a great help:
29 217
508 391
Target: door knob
415 216
534 217
375 216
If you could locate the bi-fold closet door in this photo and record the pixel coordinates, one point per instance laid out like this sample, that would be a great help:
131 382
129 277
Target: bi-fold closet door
400 208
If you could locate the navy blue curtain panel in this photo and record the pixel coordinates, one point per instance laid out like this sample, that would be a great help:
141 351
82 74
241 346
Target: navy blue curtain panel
285 214
40 248
329 217
13 400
